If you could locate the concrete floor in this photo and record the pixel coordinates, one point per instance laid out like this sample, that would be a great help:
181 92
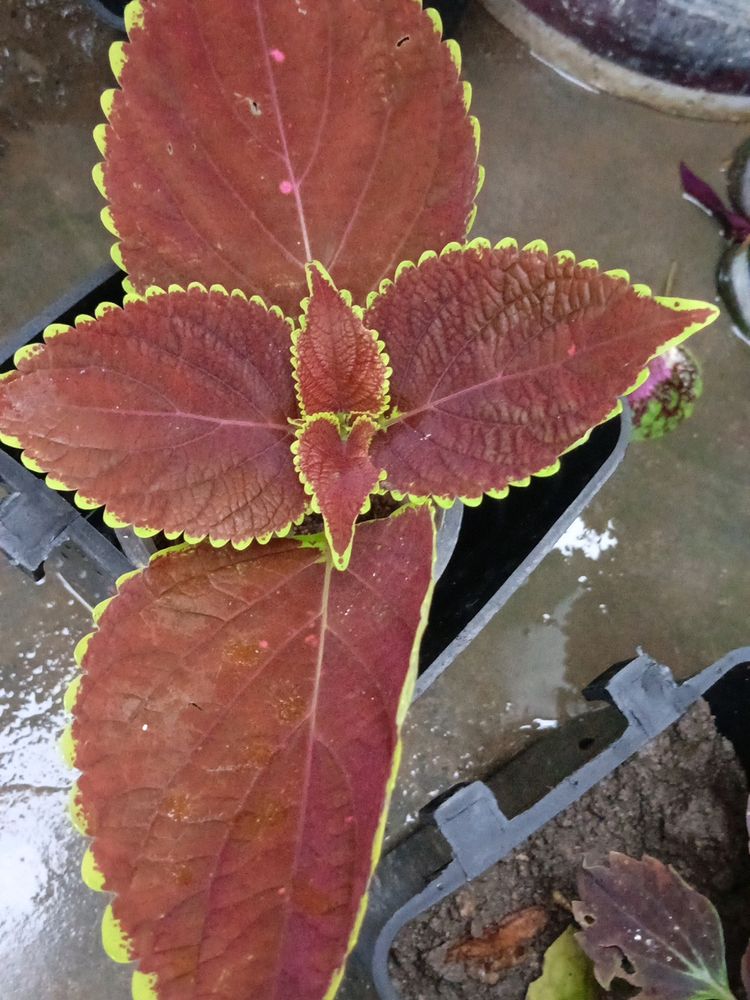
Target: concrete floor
49 922
659 560
53 67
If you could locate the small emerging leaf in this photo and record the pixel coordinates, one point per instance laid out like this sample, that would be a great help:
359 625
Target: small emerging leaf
644 924
503 359
173 411
340 473
338 363
237 728
567 973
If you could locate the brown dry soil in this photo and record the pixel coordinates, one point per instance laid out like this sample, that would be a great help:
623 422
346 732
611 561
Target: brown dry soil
682 800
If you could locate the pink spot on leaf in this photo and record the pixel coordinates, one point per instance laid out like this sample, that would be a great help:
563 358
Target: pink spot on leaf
263 643
311 640
286 187
572 350
278 56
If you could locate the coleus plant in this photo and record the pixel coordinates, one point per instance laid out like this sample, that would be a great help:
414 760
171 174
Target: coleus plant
237 719
643 924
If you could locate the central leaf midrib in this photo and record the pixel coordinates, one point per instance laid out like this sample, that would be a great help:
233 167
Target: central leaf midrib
293 180
434 405
305 784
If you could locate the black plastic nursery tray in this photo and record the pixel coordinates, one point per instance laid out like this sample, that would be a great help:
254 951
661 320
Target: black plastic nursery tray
500 542
468 830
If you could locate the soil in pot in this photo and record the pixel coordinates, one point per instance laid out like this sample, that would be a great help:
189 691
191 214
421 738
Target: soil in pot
682 800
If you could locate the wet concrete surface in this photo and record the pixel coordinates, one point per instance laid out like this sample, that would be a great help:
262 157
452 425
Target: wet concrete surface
53 67
49 921
659 560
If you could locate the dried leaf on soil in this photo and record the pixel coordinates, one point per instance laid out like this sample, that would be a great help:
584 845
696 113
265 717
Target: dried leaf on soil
502 945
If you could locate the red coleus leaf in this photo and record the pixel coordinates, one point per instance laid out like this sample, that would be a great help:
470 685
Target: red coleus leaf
173 411
644 924
339 472
237 728
251 136
338 363
504 358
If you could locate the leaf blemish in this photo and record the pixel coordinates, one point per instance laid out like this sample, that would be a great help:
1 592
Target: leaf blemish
286 187
252 106
278 56
403 41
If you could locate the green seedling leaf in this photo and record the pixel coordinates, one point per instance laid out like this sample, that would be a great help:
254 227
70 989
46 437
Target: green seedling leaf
644 924
667 397
567 973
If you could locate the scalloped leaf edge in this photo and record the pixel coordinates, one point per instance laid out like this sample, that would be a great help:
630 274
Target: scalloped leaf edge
340 559
134 15
88 504
301 327
114 941
540 246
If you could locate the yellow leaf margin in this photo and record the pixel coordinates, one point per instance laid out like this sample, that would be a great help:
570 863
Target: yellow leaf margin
135 21
540 247
111 518
114 941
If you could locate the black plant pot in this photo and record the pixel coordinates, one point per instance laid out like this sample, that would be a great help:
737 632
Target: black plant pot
109 11
451 12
